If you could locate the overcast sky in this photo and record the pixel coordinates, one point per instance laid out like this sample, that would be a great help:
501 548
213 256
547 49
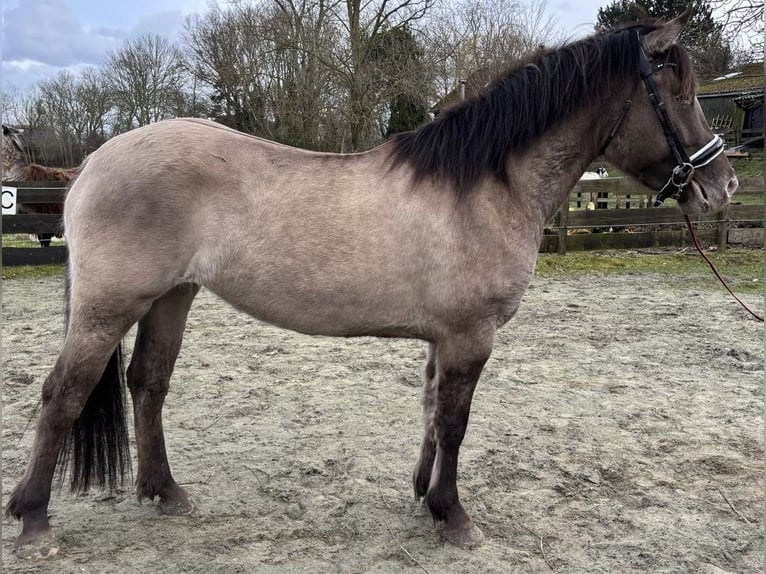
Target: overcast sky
42 36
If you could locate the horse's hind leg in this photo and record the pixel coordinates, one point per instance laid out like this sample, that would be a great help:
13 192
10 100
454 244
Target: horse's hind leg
459 363
160 332
88 346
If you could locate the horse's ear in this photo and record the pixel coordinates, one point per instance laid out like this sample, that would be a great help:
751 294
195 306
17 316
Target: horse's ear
661 39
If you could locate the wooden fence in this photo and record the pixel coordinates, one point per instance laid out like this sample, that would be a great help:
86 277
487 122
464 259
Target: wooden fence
623 207
620 205
34 192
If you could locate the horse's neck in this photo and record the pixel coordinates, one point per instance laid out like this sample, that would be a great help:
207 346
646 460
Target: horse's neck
15 172
543 175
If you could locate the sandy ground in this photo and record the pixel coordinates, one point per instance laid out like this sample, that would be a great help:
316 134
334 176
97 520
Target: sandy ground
617 428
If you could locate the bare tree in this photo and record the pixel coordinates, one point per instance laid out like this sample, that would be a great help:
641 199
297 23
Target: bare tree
225 51
305 72
325 74
23 109
96 104
473 39
146 77
330 74
8 101
302 91
364 23
26 110
75 109
743 24
63 115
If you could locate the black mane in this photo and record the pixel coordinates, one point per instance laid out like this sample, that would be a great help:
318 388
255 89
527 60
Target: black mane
472 140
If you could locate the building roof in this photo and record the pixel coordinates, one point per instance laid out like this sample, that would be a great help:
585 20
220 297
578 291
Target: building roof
748 79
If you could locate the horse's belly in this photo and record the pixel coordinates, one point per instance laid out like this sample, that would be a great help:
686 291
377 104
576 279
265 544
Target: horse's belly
315 316
324 302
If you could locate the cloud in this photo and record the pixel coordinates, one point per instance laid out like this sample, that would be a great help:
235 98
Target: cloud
46 31
23 74
166 24
576 18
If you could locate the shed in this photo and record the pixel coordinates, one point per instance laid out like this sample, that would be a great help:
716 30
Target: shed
733 104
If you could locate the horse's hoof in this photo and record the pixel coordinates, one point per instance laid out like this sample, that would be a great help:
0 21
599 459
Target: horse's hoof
39 548
177 506
469 536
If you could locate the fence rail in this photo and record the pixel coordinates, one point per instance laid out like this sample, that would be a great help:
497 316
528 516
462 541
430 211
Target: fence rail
622 205
34 192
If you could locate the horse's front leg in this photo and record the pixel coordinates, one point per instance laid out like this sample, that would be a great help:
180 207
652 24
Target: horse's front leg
459 363
421 478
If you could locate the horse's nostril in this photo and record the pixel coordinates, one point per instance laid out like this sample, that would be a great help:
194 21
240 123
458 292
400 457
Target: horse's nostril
732 187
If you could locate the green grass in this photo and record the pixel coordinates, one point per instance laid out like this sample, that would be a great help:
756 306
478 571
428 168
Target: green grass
748 198
33 271
19 240
748 166
742 268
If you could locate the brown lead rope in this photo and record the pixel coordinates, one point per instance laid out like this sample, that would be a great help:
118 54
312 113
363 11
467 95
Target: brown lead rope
717 274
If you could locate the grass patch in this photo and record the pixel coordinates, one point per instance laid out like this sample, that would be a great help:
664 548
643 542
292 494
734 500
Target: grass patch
34 271
742 268
19 240
748 166
748 198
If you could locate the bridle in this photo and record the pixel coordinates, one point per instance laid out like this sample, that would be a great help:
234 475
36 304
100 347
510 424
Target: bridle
685 164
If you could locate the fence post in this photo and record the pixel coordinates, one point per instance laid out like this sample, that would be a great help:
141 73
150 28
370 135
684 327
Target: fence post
563 215
723 228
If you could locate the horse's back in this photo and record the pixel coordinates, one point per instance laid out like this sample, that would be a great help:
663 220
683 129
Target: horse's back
171 163
165 177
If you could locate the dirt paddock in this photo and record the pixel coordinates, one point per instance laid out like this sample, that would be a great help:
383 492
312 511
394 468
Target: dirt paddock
617 428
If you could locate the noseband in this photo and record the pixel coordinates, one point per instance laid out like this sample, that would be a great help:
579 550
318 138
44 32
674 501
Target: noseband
685 164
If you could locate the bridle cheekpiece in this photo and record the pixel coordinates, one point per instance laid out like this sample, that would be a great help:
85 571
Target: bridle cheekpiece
685 164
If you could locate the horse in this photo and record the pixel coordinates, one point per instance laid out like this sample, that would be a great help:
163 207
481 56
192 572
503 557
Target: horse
600 173
432 235
17 167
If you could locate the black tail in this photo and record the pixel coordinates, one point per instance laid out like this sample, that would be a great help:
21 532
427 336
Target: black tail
97 445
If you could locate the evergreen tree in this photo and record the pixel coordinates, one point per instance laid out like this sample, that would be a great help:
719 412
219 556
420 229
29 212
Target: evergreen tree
407 113
703 36
393 51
